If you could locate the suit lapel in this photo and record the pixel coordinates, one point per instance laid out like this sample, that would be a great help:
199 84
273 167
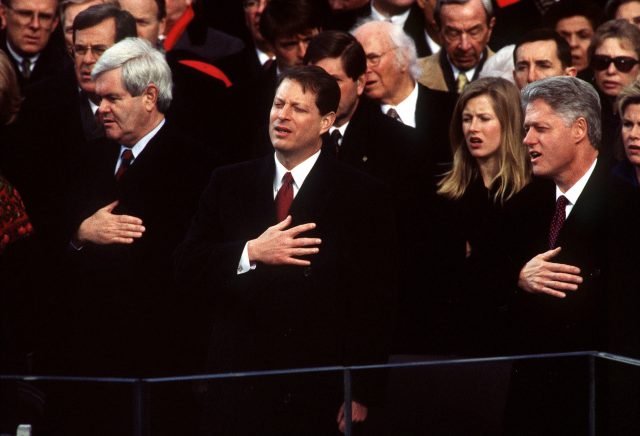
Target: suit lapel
314 194
586 213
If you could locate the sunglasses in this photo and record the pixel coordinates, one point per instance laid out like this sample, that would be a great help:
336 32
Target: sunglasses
624 64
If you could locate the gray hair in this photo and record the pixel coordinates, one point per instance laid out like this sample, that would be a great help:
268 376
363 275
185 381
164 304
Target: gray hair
406 53
571 98
486 4
141 66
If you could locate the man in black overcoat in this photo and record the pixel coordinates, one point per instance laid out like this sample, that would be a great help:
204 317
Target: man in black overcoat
307 281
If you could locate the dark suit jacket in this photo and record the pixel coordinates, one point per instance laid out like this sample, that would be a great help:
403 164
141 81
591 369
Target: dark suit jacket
433 117
45 149
415 27
598 238
382 147
121 304
53 60
336 311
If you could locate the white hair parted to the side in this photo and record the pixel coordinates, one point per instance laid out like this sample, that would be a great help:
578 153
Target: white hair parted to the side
142 65
406 53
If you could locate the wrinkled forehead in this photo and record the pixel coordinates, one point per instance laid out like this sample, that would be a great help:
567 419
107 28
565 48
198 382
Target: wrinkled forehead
540 49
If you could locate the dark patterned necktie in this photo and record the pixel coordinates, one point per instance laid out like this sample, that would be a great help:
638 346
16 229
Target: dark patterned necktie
557 221
336 136
393 114
284 198
125 162
25 65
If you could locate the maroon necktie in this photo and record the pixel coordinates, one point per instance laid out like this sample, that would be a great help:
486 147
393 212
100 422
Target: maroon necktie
557 221
284 198
125 161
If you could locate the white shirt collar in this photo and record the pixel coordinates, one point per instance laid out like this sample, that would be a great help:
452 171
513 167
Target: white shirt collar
342 129
93 106
262 56
406 108
574 192
299 173
19 58
142 143
469 73
434 46
398 20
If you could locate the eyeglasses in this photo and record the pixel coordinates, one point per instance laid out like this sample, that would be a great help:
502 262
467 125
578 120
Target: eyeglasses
96 50
624 64
373 59
26 16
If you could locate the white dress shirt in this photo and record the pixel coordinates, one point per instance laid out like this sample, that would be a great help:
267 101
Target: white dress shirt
406 109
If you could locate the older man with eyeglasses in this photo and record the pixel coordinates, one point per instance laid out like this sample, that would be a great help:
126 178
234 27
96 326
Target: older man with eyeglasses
29 25
390 80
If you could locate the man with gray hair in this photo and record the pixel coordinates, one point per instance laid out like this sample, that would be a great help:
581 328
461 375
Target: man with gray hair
390 80
139 193
571 245
465 29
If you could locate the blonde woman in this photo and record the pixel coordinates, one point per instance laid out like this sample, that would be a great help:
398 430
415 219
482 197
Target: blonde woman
490 166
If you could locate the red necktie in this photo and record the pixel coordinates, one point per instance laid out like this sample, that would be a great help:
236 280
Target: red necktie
284 198
557 221
125 162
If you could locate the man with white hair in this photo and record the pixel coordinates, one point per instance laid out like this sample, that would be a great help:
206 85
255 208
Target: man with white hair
390 80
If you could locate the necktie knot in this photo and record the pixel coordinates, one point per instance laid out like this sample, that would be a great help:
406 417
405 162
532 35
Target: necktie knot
284 198
25 66
287 179
557 221
461 82
336 136
125 162
393 114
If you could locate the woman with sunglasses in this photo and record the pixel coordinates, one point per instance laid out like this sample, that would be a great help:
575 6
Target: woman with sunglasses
615 59
490 167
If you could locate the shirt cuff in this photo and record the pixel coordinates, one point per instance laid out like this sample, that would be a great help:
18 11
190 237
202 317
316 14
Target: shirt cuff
244 265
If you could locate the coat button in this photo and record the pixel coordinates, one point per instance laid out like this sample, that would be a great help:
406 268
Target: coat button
287 398
595 273
307 271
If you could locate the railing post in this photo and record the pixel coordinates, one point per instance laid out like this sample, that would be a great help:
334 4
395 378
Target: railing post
347 401
140 410
592 395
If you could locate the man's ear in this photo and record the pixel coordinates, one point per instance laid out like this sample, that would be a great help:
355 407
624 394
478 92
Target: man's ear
327 121
571 71
150 97
360 83
580 129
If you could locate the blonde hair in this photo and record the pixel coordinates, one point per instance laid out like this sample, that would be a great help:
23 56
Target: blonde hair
514 172
9 91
